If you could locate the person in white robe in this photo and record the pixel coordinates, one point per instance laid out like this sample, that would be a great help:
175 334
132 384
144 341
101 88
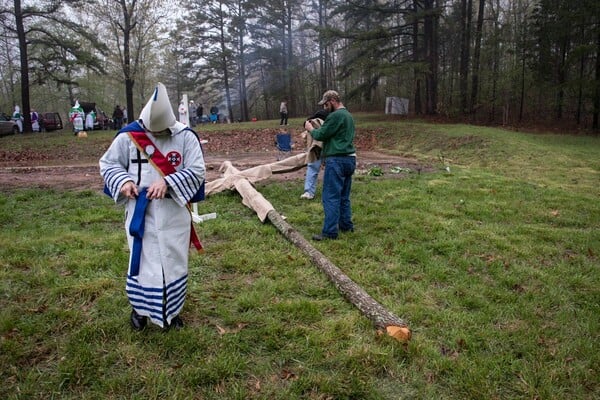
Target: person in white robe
18 118
158 272
183 113
89 120
76 116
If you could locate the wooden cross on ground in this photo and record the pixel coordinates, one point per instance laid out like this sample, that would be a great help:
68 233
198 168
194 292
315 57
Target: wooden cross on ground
241 181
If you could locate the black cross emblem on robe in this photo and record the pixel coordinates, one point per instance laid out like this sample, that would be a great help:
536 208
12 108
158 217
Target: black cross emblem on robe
139 161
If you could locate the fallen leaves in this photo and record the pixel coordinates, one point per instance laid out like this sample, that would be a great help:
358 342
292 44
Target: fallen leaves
224 331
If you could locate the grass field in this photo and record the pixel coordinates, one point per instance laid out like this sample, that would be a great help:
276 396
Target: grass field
492 259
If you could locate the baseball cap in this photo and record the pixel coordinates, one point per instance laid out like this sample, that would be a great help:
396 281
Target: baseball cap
329 95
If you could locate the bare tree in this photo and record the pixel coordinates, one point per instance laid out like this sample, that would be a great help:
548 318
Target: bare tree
135 26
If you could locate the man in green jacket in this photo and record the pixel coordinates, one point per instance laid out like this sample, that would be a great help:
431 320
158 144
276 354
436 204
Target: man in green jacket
339 154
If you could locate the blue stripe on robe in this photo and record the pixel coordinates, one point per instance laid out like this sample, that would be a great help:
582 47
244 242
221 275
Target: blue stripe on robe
150 299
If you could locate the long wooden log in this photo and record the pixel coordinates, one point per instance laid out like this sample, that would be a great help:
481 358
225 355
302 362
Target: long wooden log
379 315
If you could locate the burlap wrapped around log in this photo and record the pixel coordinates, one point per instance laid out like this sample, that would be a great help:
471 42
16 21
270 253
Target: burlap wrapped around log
254 174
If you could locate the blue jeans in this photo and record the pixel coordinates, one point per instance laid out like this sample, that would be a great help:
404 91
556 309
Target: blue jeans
337 183
312 174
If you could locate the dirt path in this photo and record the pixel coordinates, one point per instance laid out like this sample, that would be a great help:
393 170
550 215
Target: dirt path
243 149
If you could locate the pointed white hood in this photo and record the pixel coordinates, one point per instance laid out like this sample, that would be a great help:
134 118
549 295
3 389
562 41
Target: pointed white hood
157 114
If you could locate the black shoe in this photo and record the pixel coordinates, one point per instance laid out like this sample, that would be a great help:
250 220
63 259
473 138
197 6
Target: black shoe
137 321
176 323
319 238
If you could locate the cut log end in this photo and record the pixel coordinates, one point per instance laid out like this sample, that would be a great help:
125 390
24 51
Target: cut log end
400 333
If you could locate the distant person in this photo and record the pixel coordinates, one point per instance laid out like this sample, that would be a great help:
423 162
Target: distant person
183 113
158 223
200 113
193 110
313 158
77 117
337 135
90 118
214 114
18 118
117 117
35 121
283 112
125 116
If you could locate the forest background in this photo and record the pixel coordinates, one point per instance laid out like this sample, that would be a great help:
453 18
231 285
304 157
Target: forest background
512 62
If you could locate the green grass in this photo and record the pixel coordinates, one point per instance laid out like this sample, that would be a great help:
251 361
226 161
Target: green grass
495 265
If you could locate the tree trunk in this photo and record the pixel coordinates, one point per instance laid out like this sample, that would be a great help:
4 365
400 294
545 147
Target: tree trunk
431 55
476 56
466 6
380 316
416 58
245 115
25 106
495 61
580 90
242 79
127 73
597 89
562 77
522 96
289 52
129 83
322 49
225 66
580 84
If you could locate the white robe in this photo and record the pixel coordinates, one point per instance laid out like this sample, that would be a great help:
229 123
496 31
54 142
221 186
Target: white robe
18 119
165 245
89 122
78 123
183 115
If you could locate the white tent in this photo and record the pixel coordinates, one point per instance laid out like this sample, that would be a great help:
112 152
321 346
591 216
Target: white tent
396 105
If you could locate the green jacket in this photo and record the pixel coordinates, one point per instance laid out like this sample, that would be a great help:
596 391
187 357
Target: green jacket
337 134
